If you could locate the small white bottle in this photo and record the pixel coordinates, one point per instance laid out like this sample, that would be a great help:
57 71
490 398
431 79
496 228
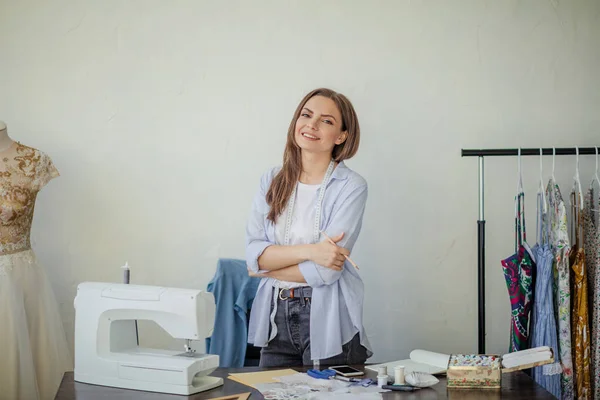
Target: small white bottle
399 375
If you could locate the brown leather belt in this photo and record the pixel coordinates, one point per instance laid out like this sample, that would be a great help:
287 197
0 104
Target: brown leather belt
295 293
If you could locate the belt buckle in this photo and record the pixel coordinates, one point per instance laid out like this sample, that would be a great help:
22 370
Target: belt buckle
281 295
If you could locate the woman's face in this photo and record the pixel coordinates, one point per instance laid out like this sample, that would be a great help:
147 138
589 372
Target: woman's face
319 126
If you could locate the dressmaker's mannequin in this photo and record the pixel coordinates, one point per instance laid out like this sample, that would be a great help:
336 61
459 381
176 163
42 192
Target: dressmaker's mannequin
5 140
33 345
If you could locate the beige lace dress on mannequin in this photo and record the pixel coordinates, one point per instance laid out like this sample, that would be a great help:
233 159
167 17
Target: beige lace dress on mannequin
33 348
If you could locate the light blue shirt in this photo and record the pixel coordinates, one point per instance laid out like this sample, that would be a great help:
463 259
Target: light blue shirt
234 293
337 298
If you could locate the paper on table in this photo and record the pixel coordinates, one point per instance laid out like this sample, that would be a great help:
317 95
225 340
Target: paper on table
526 359
302 379
328 385
419 361
526 352
302 386
252 378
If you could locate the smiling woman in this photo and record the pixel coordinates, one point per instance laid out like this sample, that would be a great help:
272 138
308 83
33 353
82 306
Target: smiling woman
322 126
309 306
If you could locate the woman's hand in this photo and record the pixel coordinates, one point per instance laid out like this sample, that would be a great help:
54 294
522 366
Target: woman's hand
328 254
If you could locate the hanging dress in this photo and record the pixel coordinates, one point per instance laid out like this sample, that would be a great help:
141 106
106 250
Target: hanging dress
580 319
544 331
592 260
518 270
559 239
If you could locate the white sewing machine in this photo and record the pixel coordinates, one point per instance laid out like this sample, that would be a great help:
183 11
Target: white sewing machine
106 342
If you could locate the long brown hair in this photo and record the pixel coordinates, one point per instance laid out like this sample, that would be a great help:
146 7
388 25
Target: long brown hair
284 182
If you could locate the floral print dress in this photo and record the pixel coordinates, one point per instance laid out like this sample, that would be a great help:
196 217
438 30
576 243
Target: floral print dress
580 316
592 259
559 237
518 270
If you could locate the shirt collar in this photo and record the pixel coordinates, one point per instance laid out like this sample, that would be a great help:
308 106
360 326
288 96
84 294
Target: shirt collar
340 172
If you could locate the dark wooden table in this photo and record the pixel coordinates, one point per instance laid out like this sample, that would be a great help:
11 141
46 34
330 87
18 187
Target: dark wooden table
516 385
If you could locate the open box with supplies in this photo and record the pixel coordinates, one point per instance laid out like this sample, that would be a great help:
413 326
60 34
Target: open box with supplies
484 371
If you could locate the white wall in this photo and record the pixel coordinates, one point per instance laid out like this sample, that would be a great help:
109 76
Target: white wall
161 116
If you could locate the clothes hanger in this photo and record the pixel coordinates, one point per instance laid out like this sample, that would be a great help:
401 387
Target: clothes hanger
595 179
520 238
553 160
541 188
577 180
520 180
552 180
541 195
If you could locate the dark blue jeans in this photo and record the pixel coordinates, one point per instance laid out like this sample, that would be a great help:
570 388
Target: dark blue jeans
291 346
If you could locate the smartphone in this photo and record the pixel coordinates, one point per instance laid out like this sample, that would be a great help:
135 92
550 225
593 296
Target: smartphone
346 370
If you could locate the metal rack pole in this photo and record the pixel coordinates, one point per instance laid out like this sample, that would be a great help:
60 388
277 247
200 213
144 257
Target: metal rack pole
481 262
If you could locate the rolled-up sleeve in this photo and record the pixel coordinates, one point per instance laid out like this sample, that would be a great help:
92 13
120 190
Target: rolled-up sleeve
256 237
346 218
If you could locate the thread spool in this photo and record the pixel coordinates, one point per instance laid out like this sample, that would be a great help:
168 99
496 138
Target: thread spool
382 380
382 370
399 375
126 273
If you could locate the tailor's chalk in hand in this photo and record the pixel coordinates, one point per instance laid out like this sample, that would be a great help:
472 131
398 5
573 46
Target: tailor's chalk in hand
347 258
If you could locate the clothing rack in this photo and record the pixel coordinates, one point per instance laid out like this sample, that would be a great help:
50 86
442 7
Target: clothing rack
481 153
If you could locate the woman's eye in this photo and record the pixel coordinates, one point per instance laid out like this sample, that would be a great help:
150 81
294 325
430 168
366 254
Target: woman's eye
305 115
328 122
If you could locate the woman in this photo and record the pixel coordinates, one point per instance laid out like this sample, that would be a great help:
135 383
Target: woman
308 306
